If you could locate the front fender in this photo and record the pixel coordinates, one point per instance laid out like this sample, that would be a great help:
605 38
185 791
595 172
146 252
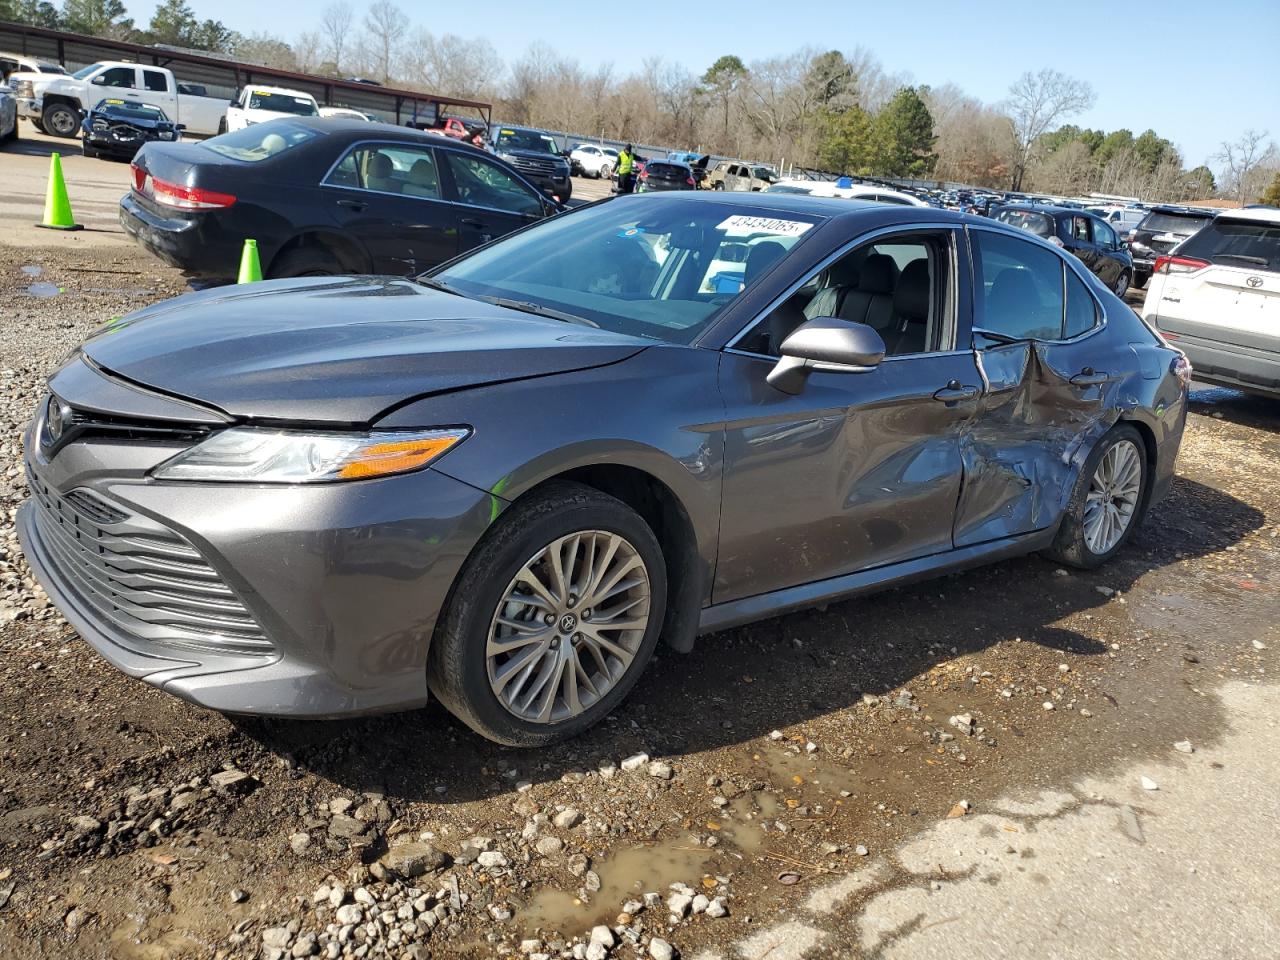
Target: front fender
658 412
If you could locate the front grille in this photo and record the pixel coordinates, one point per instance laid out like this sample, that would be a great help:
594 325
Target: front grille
140 575
541 168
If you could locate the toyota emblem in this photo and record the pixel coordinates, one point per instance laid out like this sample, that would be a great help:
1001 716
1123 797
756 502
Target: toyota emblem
1254 281
55 419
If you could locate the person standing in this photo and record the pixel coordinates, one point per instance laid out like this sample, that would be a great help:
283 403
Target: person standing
626 169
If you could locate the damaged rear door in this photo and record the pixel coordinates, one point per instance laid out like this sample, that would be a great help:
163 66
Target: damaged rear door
1050 380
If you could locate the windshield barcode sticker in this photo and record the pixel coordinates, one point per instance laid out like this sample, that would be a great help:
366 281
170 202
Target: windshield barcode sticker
783 228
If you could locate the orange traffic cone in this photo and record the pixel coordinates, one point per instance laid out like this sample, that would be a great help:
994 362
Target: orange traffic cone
57 207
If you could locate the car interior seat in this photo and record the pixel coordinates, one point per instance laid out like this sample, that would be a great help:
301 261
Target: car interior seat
909 331
380 174
872 302
423 180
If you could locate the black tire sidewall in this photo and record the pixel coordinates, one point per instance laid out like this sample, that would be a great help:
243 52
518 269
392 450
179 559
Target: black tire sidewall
457 670
305 262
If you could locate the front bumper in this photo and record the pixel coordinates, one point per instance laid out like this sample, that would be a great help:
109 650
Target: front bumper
345 580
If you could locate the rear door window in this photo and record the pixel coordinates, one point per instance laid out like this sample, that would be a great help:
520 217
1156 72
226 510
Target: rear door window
1238 243
155 81
1019 290
402 169
1040 224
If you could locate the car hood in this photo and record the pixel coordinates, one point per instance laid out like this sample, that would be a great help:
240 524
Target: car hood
338 350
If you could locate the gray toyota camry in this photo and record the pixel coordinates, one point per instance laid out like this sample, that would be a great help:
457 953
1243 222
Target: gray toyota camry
650 418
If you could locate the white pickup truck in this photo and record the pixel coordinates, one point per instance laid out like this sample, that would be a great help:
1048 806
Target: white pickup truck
58 104
256 104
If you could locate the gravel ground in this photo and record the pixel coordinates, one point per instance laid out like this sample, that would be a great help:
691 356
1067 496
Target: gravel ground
732 783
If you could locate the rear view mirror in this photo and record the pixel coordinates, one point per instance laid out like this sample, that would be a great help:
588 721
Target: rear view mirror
828 344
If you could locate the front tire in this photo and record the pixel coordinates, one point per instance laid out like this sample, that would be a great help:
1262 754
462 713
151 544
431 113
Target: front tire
573 556
1122 284
62 121
1107 503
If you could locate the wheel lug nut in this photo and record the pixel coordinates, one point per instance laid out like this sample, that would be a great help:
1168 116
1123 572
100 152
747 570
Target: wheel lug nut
548 619
572 600
586 614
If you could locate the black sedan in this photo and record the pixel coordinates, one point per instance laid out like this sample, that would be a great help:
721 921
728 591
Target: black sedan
323 196
666 175
119 128
504 480
1087 236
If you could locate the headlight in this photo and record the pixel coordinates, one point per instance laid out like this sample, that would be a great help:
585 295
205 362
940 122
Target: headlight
166 134
253 455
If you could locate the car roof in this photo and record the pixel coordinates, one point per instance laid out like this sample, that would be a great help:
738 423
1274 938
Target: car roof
365 130
1260 214
1183 211
832 208
1049 208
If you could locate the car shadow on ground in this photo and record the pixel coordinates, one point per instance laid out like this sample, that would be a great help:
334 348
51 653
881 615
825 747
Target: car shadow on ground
1236 406
43 147
741 684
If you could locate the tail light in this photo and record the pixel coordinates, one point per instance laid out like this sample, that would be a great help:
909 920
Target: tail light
690 181
178 196
644 174
1174 265
1181 367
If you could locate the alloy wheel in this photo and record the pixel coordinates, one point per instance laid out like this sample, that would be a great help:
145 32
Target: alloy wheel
1122 285
568 627
1113 495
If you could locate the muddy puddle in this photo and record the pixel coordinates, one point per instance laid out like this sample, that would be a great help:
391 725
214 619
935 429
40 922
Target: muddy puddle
627 875
43 290
798 773
31 270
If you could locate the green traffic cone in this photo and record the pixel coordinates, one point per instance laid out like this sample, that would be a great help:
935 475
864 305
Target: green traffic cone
57 207
250 267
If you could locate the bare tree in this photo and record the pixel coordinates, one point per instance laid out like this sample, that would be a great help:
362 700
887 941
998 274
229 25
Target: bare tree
1241 158
335 26
384 24
307 49
1037 103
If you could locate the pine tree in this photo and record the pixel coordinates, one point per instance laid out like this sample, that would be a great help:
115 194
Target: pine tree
98 18
903 139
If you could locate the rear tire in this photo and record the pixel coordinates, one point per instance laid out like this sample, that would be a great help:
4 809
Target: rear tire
462 665
306 262
1076 544
1122 284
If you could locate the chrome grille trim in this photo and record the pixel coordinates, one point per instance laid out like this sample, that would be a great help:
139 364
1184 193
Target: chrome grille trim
142 577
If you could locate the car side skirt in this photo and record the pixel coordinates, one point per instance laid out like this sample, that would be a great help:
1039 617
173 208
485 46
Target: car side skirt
722 616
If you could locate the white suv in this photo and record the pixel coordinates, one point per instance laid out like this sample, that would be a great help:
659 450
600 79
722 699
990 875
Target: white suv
594 161
1217 297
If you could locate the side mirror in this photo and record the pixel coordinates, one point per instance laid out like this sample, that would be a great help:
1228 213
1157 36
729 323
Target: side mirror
99 80
182 126
828 344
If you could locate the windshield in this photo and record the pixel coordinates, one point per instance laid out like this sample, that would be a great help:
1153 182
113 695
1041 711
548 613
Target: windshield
50 68
764 173
656 266
1181 224
131 111
509 139
788 188
261 141
1236 244
85 71
1040 224
282 103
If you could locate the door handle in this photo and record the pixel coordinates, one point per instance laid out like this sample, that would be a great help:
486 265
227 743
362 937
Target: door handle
955 391
472 222
1088 377
356 205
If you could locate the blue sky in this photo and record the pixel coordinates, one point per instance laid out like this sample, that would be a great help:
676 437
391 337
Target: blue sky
1197 73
